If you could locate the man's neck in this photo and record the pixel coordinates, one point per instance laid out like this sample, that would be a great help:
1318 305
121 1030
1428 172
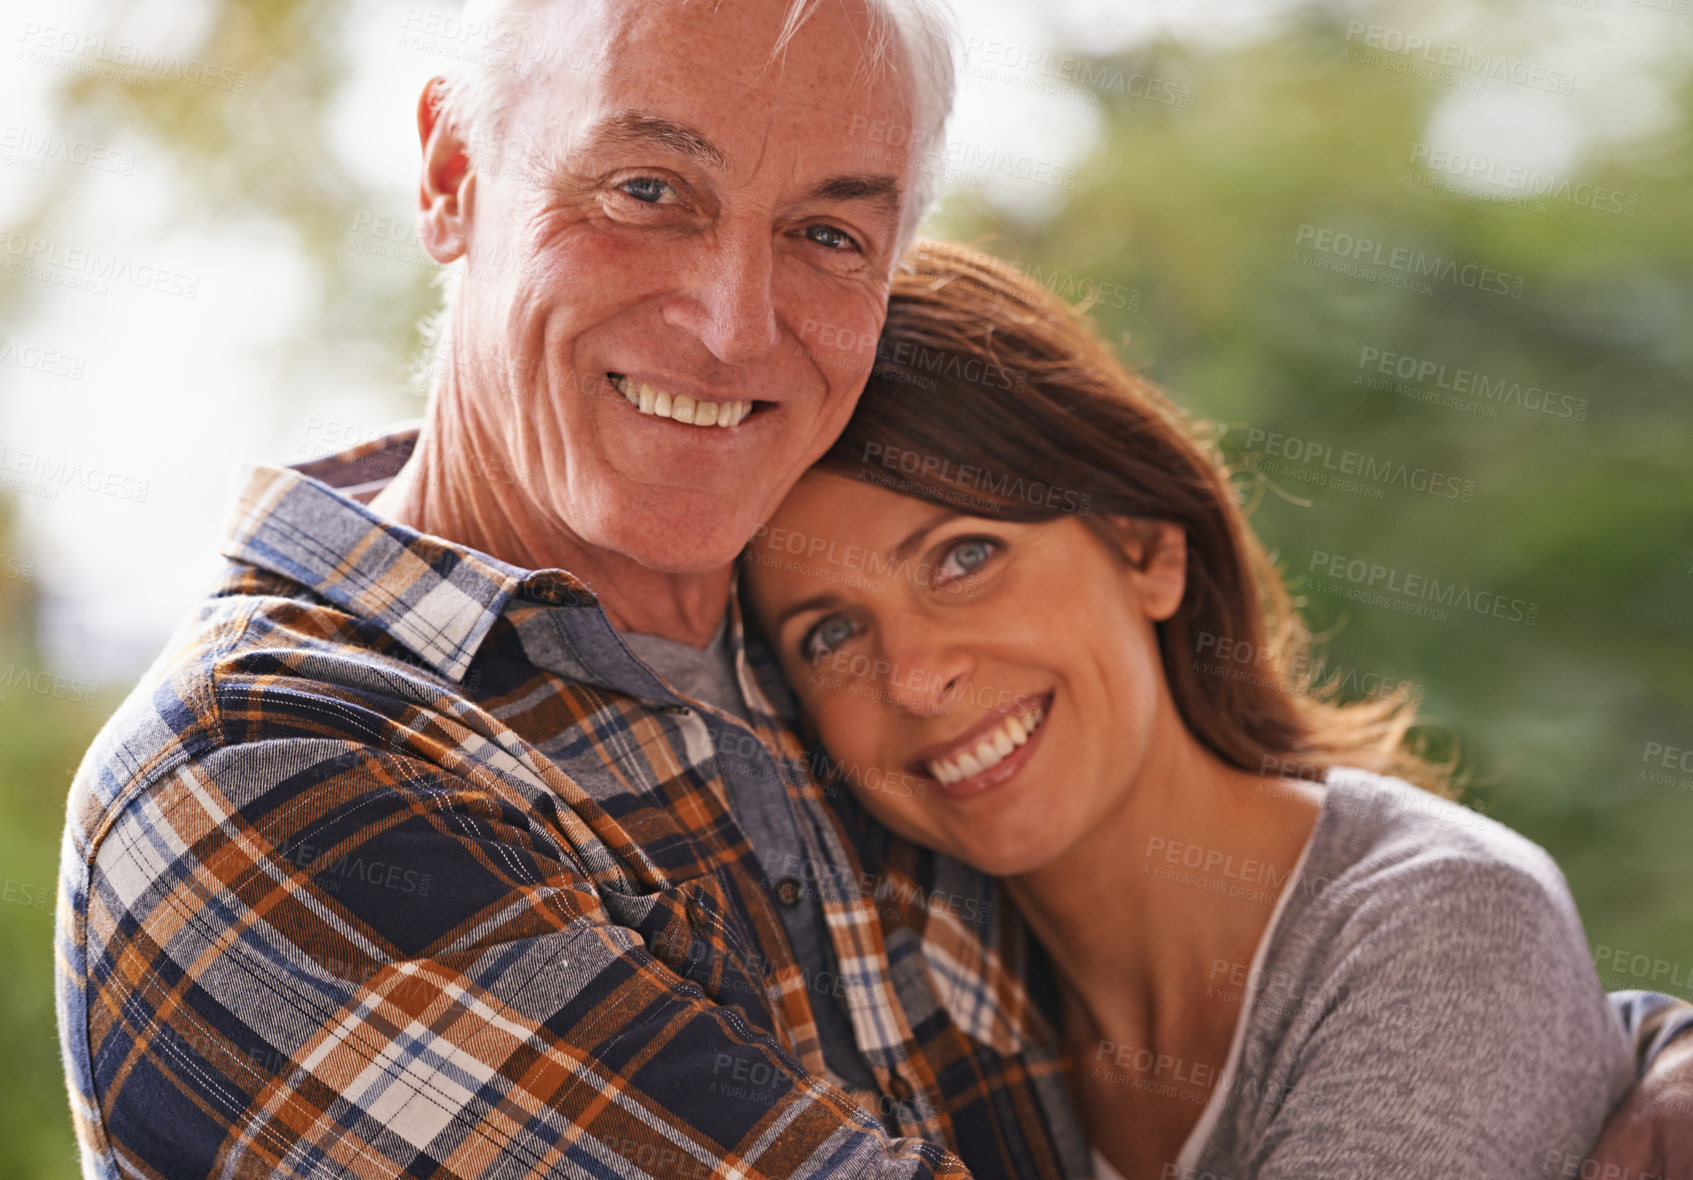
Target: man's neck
457 491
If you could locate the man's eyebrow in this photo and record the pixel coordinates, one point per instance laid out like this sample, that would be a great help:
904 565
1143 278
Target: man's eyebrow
902 551
633 128
878 188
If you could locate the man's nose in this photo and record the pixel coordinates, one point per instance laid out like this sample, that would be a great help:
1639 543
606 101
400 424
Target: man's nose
730 305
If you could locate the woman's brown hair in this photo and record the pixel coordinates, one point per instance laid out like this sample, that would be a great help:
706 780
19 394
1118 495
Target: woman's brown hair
993 397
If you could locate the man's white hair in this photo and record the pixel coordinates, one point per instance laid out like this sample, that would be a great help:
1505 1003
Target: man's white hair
914 42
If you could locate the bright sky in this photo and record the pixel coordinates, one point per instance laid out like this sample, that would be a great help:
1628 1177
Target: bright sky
156 394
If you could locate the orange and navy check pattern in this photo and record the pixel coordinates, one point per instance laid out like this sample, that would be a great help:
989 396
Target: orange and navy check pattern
397 863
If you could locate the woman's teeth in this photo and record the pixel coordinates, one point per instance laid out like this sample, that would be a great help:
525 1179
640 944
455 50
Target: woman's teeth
680 407
990 750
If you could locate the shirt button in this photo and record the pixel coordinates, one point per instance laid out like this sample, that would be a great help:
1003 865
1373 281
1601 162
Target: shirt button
696 911
900 1088
788 891
678 710
552 591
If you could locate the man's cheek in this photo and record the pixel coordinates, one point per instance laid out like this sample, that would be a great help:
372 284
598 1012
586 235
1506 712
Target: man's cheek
842 337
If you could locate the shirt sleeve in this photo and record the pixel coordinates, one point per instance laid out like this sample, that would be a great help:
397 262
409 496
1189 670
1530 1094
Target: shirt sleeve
1652 1020
1462 1032
317 958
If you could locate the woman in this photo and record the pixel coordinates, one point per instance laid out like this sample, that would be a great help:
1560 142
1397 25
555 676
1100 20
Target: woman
1277 957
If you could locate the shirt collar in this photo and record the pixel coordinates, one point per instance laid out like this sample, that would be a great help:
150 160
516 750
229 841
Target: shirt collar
436 598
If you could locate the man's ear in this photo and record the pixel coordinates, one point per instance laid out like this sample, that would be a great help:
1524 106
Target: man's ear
1156 569
443 198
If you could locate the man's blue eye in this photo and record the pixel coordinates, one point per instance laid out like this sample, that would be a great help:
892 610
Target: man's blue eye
645 188
828 235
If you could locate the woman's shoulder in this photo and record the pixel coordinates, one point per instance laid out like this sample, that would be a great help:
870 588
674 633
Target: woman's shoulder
1427 984
1400 883
1381 842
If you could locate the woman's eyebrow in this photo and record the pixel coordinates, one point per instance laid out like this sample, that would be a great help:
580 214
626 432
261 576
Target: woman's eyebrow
902 551
815 602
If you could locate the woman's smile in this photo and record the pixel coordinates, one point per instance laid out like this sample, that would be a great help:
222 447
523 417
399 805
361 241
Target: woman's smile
988 754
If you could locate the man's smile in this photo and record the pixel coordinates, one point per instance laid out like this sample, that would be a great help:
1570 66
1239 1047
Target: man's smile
680 407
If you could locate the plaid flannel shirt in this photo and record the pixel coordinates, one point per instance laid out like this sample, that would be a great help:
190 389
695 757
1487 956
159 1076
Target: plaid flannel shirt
397 863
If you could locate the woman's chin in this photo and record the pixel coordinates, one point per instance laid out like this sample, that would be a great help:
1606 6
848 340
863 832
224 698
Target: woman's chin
1012 862
1003 844
1012 855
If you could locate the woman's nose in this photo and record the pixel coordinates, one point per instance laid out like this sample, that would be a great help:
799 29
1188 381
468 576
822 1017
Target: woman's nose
926 672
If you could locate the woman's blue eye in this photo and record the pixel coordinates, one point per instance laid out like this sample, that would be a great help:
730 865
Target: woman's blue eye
827 636
965 558
647 189
828 235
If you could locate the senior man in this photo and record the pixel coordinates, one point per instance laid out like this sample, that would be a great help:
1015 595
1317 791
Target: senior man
459 833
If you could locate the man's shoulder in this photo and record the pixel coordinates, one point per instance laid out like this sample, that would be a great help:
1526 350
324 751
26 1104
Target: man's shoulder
258 663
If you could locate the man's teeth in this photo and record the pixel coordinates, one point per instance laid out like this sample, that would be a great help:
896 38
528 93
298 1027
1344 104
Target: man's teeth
990 750
680 407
